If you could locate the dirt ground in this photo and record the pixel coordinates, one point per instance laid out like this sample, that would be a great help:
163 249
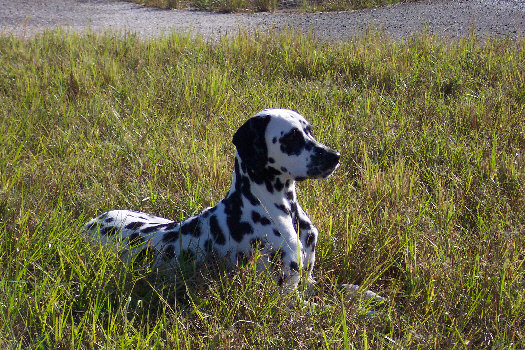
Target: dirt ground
447 18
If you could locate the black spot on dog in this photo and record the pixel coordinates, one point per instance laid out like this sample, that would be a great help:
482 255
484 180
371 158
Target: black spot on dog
109 231
269 186
278 185
170 226
239 229
233 210
283 208
256 243
271 172
134 225
293 142
108 220
153 228
274 140
169 252
307 130
293 207
170 236
242 185
257 218
192 227
310 239
277 233
216 231
264 174
276 257
284 170
304 225
294 266
248 194
91 225
135 239
289 195
265 221
271 160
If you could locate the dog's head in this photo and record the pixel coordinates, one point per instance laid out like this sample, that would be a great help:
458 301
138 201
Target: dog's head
280 142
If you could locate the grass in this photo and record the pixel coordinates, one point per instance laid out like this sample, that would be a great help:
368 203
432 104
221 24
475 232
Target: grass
427 207
267 5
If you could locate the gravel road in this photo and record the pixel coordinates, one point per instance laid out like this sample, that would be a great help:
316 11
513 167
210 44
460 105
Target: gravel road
447 18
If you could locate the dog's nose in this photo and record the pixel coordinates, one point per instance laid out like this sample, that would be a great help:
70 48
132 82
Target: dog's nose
326 155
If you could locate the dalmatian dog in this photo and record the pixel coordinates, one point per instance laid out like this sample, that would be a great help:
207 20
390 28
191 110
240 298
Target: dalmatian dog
275 150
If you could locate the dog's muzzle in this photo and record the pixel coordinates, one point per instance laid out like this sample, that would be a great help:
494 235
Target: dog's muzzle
323 162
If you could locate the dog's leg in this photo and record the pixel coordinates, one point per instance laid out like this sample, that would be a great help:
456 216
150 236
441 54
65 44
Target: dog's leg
350 290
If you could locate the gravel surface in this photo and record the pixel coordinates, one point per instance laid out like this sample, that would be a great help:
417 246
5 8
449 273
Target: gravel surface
447 18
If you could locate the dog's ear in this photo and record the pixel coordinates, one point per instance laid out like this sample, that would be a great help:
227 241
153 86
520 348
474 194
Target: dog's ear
251 143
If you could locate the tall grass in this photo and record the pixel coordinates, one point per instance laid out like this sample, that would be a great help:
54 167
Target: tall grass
427 207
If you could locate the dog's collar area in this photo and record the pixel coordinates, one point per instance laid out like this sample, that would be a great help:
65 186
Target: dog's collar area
273 180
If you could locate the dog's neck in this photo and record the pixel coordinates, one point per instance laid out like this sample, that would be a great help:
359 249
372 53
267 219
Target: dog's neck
268 187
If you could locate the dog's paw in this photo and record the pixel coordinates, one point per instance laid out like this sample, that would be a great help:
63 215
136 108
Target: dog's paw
353 289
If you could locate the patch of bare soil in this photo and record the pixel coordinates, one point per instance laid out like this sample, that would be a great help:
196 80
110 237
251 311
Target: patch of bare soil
447 18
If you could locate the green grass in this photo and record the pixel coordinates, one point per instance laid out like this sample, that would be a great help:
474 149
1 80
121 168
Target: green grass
268 5
427 207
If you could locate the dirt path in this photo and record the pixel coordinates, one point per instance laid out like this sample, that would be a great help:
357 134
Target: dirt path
449 18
